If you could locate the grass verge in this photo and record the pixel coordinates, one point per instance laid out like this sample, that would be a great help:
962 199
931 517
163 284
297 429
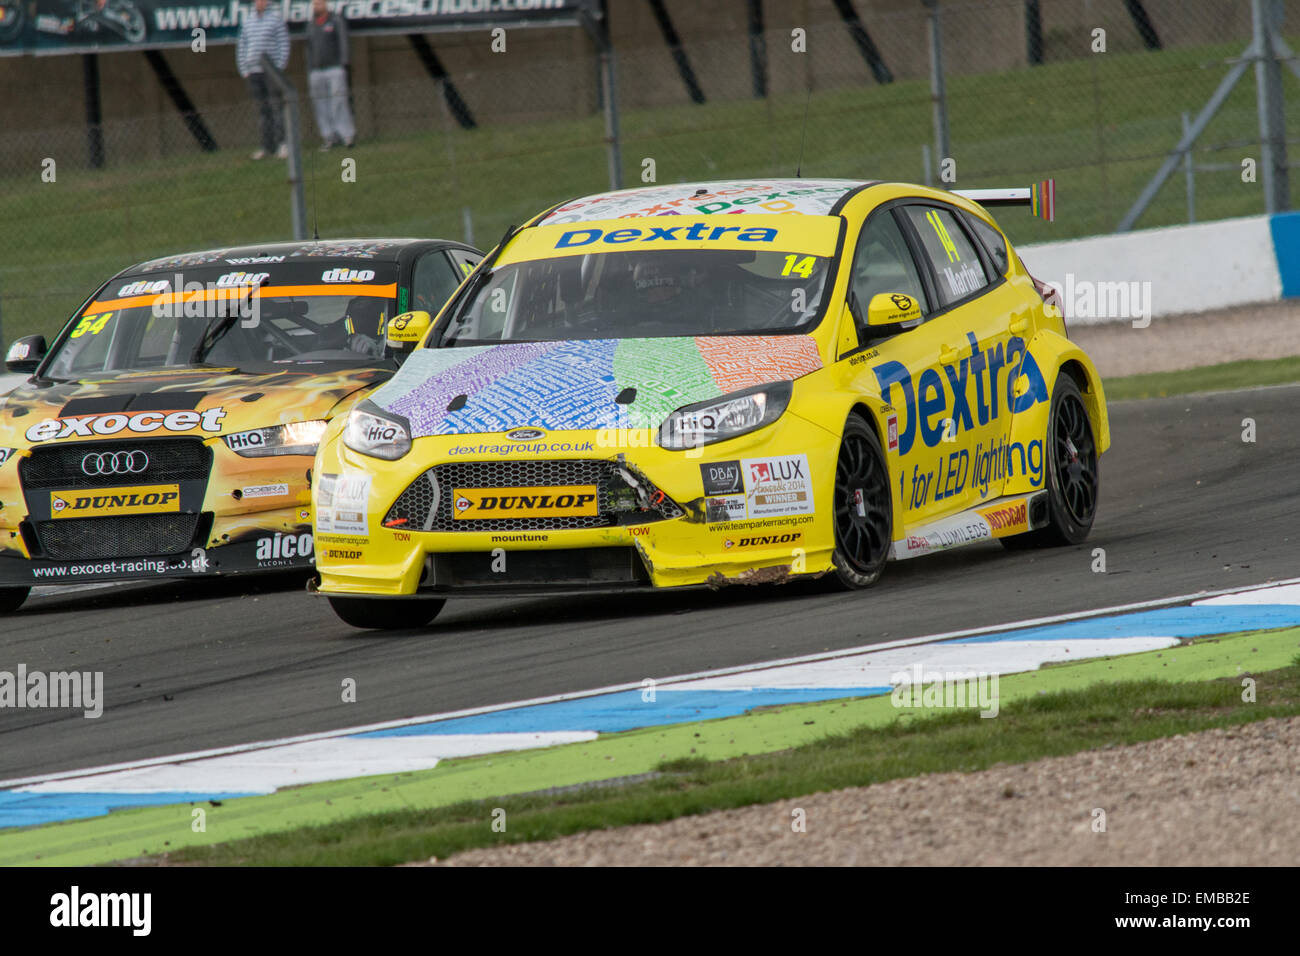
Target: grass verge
130 833
62 239
1244 374
1050 724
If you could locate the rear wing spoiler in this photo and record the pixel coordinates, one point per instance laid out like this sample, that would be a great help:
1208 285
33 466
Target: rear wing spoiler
1040 197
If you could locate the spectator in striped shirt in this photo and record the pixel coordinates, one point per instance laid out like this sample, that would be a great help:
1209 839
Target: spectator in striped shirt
264 32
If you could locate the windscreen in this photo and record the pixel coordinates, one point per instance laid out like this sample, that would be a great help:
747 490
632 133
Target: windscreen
284 313
641 293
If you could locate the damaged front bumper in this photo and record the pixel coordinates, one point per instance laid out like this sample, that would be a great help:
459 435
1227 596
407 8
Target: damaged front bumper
752 510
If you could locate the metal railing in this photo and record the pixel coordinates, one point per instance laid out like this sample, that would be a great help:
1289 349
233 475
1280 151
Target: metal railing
293 142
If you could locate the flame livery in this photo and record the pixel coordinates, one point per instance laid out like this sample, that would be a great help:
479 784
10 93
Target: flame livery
713 384
170 429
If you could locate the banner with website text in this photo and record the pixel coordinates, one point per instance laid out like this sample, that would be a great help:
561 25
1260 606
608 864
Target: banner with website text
47 27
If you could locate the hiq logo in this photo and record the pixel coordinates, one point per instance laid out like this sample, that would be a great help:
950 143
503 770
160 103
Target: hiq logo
253 439
930 401
695 233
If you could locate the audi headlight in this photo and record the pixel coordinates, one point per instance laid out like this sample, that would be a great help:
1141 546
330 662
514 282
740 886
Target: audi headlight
723 418
377 433
295 438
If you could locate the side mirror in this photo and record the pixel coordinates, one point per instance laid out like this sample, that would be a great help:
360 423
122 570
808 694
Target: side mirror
406 330
25 354
892 308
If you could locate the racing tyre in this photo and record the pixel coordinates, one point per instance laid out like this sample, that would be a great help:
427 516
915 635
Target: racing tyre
1072 476
11 599
864 511
382 615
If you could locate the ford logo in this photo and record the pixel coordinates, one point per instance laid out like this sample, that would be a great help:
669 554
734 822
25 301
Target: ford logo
525 434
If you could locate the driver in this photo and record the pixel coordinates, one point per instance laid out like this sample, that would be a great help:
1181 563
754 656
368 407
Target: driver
655 283
366 325
701 283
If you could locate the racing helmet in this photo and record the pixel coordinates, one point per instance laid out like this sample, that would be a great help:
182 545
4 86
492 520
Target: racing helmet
365 316
365 324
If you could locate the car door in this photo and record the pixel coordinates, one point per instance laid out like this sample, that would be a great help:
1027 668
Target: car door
1026 385
970 364
899 361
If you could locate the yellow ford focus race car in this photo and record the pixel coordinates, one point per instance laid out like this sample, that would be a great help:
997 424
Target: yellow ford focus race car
170 429
714 384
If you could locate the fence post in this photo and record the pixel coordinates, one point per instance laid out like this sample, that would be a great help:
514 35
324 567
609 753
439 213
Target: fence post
599 32
94 112
293 141
938 95
1033 33
1268 97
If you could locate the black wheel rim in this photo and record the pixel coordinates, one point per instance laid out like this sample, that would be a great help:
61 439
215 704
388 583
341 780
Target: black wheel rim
862 505
1076 460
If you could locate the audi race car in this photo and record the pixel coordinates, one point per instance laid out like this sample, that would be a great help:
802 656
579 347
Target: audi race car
170 428
713 384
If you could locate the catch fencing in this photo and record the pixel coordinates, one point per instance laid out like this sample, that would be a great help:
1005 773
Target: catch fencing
459 138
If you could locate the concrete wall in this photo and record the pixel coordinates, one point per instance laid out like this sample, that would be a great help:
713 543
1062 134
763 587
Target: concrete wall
1171 271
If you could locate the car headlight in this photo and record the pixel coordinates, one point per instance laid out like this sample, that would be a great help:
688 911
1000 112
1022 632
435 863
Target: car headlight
726 417
377 433
295 438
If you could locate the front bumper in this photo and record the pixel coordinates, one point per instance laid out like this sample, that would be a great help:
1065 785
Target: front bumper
712 540
233 515
253 556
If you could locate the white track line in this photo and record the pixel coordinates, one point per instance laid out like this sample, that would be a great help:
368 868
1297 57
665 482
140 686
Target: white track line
318 761
616 688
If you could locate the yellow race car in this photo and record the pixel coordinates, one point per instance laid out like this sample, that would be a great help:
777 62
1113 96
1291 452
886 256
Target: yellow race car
712 384
169 431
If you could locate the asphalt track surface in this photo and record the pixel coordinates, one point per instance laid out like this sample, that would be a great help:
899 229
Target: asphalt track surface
1186 505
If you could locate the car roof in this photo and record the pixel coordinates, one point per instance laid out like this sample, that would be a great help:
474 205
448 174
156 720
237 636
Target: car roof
814 197
380 250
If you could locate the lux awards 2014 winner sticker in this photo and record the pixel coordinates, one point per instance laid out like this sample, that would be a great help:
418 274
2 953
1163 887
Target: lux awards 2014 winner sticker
344 504
758 488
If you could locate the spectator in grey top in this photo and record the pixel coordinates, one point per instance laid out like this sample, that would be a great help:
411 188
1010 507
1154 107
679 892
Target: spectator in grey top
327 62
264 32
